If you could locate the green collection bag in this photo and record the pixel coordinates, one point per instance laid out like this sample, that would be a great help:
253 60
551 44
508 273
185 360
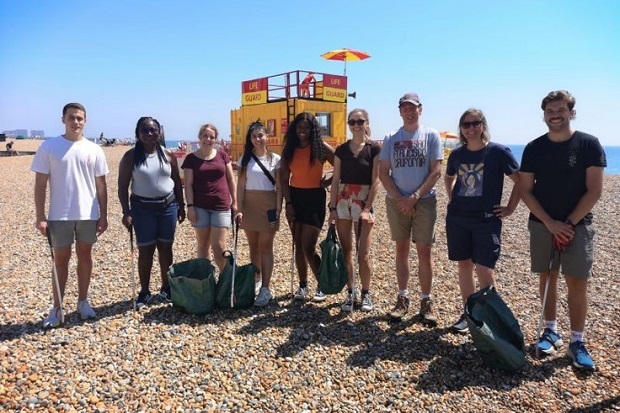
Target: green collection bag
495 330
192 285
333 274
244 284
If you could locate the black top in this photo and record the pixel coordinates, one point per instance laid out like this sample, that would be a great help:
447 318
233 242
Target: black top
357 170
559 170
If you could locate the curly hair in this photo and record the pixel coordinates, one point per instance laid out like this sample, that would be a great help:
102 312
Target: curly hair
139 156
291 140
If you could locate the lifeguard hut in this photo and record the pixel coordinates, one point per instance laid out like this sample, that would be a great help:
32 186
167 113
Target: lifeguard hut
277 99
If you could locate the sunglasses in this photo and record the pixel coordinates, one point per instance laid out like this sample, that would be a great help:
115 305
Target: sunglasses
353 122
467 125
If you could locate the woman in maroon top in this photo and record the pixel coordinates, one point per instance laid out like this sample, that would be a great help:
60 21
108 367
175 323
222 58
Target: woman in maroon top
211 194
354 187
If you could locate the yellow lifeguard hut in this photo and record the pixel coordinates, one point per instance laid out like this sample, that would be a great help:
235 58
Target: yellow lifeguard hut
449 140
277 99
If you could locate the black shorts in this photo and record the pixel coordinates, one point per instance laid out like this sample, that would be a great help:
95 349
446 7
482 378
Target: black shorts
475 238
309 205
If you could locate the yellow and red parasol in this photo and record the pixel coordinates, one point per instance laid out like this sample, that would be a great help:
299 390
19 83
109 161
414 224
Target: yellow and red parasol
345 55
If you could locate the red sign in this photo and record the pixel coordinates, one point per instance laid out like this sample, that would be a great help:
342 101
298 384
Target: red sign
283 126
335 88
254 92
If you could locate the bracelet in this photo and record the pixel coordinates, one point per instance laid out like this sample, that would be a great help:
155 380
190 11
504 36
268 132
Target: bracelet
331 208
569 222
416 195
289 203
190 205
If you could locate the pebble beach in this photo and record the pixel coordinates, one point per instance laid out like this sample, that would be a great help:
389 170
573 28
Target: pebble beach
286 357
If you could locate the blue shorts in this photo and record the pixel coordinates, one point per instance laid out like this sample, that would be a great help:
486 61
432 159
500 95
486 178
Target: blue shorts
475 238
207 218
154 224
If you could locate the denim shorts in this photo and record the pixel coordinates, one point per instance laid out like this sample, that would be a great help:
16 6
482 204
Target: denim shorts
64 232
207 218
154 224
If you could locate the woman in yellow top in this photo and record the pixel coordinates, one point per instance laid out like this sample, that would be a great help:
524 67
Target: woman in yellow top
303 187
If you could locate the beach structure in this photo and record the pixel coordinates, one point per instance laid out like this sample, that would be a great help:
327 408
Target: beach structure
277 99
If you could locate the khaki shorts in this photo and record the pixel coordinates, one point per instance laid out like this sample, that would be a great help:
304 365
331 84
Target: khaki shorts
64 232
420 226
575 261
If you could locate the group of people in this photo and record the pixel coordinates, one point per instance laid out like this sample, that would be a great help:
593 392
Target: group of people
560 180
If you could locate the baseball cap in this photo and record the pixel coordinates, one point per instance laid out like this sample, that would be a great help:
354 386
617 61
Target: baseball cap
411 98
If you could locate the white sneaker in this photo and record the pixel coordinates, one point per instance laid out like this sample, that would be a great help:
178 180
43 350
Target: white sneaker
263 297
85 310
302 293
347 304
258 284
52 320
367 303
319 296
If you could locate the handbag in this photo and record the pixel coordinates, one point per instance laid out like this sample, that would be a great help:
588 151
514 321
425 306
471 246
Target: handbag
265 171
333 274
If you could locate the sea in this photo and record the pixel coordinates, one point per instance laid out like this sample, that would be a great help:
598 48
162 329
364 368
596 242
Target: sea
612 153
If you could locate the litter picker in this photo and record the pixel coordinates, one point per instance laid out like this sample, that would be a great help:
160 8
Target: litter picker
292 260
234 267
133 268
55 275
544 303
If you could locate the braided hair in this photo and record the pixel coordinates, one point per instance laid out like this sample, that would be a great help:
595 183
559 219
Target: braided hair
139 155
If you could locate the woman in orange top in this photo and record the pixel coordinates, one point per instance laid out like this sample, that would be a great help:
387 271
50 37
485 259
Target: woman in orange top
303 187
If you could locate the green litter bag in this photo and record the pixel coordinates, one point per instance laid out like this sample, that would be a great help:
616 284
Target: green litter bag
244 284
192 285
495 330
333 274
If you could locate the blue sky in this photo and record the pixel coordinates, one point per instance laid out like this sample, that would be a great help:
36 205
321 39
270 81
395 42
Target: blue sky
183 61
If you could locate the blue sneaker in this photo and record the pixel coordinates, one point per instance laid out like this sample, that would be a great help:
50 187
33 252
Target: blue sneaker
579 354
549 341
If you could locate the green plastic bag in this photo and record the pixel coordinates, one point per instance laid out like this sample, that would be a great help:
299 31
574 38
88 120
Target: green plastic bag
333 274
192 285
495 330
244 284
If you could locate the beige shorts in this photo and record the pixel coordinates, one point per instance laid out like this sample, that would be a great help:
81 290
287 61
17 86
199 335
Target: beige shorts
351 201
420 226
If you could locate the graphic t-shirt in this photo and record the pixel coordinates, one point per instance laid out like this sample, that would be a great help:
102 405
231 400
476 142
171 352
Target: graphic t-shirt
410 154
479 177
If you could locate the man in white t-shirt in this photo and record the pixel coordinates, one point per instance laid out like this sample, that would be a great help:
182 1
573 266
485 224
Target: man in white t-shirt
78 209
409 167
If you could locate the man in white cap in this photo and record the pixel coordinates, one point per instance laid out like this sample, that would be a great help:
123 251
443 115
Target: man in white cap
409 168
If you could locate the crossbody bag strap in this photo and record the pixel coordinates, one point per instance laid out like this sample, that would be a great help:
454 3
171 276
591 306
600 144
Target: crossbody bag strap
267 174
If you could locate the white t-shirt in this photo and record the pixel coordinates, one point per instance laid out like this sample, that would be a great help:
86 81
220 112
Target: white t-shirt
72 167
255 178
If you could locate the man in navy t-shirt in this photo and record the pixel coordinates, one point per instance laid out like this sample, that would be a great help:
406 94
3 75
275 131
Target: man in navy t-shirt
561 181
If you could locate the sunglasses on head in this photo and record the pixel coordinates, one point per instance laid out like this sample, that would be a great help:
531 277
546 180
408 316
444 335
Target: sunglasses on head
467 125
353 122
